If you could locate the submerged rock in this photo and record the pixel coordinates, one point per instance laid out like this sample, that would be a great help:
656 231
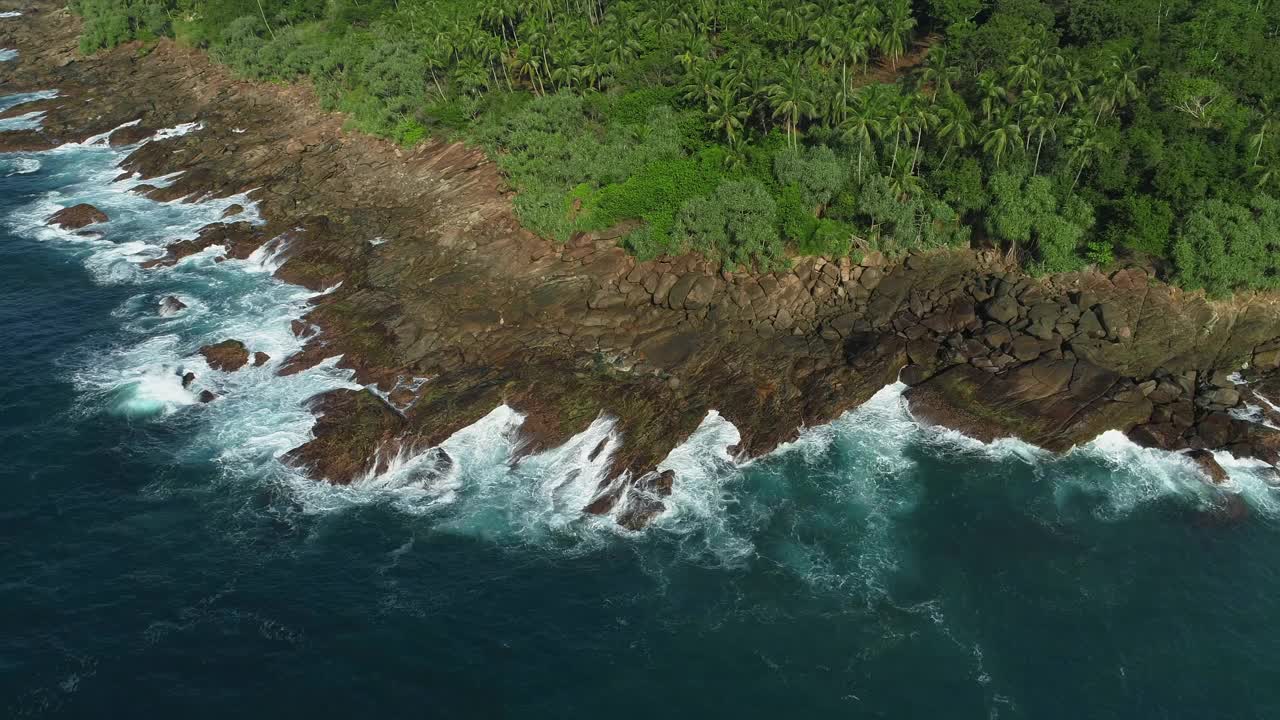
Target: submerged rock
77 216
171 305
208 396
227 356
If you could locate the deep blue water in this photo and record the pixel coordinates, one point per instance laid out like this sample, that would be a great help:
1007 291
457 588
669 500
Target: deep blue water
156 560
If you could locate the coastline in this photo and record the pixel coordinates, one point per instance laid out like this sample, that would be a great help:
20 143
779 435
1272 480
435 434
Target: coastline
455 291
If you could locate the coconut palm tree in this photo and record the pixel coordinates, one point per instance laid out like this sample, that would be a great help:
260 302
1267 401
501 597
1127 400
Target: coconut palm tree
791 98
999 137
992 93
1258 138
955 125
898 34
727 112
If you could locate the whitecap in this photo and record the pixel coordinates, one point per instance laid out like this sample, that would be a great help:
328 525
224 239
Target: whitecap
10 14
26 121
20 165
7 54
16 99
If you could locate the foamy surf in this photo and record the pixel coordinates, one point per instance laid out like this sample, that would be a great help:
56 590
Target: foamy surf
7 54
16 99
827 507
25 121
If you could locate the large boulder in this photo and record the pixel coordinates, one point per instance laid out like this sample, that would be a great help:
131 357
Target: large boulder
76 217
227 356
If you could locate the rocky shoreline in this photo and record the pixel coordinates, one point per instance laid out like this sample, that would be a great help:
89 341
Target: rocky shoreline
450 308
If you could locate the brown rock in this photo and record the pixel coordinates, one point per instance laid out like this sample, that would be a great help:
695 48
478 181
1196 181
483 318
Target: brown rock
260 358
1025 348
1002 309
1209 465
227 356
77 216
130 135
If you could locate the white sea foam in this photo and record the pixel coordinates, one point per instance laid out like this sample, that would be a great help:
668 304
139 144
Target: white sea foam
10 14
827 507
25 121
19 165
16 99
7 54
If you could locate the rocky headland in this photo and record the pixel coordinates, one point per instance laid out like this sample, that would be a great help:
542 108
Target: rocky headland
448 307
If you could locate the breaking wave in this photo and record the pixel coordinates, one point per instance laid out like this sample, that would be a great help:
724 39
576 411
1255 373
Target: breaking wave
829 507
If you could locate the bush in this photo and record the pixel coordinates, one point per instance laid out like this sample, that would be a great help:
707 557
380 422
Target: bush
736 225
1224 247
816 171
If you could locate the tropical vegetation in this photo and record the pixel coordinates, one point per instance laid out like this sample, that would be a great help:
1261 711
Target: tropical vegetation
1071 132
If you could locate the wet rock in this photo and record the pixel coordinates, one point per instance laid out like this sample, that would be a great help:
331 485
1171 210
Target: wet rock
227 356
355 432
260 358
643 501
76 217
1055 404
208 396
232 210
130 135
171 305
187 379
1209 465
1163 436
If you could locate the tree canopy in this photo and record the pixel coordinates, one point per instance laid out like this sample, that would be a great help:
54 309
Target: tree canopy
1081 131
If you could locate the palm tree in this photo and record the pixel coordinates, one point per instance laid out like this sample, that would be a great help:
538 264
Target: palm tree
1000 136
1069 85
923 119
1044 124
899 122
992 93
1085 145
1258 139
700 83
895 39
863 122
938 74
791 98
528 65
1119 82
956 125
727 112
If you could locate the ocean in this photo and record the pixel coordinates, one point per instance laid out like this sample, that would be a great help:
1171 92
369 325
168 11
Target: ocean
157 559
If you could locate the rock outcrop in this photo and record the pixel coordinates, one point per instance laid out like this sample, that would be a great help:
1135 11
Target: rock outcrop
227 356
76 217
